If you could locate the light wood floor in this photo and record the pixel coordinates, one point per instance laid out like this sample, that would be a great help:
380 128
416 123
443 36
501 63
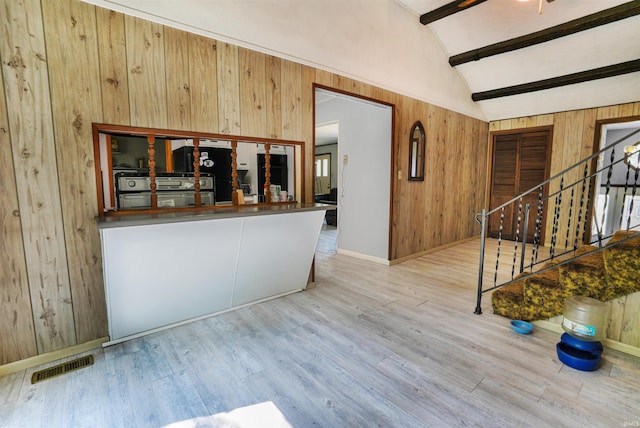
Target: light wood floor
371 345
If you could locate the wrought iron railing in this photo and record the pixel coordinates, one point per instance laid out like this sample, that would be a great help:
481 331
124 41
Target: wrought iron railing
566 216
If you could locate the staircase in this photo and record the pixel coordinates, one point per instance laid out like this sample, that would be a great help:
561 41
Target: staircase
603 274
574 250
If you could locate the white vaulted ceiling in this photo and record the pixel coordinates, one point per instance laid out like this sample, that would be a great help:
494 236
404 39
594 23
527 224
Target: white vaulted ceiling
495 21
382 42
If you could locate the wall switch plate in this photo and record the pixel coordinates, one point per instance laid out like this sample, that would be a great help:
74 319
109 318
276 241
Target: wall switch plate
400 174
345 159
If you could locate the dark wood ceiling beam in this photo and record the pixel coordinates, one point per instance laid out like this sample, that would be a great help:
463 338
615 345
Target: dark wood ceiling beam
568 79
448 9
603 17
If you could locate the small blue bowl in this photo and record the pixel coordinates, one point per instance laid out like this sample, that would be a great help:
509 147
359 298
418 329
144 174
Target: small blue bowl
577 358
522 327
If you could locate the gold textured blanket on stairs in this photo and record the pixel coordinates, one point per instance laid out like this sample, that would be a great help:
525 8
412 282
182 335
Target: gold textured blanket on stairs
602 275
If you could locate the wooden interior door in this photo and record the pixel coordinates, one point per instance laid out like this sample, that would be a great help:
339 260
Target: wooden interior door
520 161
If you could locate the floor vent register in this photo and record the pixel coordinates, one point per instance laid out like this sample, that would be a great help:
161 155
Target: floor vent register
61 369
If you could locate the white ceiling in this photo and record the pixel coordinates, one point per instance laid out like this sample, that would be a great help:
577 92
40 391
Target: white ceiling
500 20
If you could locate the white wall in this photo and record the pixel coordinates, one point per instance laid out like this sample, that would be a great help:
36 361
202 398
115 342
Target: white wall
364 181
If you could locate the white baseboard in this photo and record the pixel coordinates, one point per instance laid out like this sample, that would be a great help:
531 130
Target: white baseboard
363 257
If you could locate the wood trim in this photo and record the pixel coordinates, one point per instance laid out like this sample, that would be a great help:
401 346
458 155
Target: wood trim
109 177
594 20
447 10
51 356
594 165
394 143
168 155
174 133
554 82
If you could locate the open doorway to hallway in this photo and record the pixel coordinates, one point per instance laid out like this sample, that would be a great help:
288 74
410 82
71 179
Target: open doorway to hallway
354 148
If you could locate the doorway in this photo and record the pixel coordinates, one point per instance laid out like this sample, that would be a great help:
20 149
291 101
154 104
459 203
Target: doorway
323 177
615 195
361 159
520 161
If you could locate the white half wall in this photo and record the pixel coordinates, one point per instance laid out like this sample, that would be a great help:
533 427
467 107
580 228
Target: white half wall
364 185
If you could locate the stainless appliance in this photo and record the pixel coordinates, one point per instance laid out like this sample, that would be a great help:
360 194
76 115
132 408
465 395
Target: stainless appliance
174 190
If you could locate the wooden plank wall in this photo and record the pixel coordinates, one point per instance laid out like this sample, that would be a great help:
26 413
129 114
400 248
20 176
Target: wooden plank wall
573 140
67 64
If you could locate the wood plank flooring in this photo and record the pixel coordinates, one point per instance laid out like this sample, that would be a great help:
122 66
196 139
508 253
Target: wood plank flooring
371 345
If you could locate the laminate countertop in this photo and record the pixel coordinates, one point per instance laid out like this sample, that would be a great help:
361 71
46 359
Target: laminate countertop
231 211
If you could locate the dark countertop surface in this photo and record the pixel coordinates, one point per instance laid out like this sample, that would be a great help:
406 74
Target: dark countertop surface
142 219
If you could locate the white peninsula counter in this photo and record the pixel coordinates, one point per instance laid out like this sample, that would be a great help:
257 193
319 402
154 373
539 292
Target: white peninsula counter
164 269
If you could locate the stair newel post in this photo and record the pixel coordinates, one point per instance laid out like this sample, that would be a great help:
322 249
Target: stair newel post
524 236
483 226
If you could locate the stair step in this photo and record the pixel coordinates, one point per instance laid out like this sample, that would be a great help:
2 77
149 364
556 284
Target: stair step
604 275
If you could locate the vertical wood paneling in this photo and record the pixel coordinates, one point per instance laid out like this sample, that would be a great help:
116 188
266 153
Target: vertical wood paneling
147 82
608 112
17 336
630 333
203 84
228 89
615 317
176 51
308 131
114 77
274 97
72 53
253 92
144 74
24 67
544 120
324 78
291 79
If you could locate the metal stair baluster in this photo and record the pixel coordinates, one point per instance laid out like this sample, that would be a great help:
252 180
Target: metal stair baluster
556 219
566 238
515 249
606 195
587 220
495 275
536 235
633 195
626 186
584 188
